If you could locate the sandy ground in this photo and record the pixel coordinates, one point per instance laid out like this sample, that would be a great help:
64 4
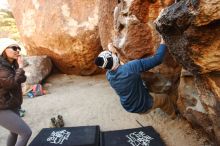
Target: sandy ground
91 101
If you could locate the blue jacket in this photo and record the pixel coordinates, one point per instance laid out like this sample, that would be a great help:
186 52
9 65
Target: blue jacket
127 82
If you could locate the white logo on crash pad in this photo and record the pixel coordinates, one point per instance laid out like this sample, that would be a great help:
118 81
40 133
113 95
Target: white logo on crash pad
139 139
58 137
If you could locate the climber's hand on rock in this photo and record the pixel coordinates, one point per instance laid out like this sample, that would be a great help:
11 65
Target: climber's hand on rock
162 40
112 48
155 21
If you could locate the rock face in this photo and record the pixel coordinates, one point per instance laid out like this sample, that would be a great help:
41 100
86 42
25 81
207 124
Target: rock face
106 9
197 49
199 102
205 44
129 25
66 31
209 11
37 68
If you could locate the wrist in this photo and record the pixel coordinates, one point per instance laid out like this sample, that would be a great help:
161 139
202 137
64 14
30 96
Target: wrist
162 42
20 66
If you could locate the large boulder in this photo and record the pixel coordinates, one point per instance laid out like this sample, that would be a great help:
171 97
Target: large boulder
196 48
204 36
129 25
106 8
205 46
66 31
37 68
199 102
209 11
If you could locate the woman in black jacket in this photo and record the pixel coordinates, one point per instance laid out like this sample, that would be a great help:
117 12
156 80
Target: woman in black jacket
11 77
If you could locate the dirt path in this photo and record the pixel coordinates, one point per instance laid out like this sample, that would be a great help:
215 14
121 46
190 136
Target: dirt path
91 101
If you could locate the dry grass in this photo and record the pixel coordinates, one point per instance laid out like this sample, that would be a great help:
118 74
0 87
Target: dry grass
8 26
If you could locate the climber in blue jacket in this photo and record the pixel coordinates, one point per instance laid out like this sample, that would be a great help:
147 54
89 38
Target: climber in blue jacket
126 81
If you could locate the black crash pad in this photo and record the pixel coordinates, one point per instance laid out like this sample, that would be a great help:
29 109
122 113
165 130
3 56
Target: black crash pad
70 136
145 136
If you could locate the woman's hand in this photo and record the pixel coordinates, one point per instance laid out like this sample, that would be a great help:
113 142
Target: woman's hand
20 62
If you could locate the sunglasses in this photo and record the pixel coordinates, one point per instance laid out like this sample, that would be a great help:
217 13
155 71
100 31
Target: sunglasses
15 48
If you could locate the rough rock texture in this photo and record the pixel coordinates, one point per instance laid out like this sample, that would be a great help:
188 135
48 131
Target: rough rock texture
205 44
197 50
66 31
129 25
204 41
209 11
199 102
172 24
106 10
209 89
37 68
163 78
